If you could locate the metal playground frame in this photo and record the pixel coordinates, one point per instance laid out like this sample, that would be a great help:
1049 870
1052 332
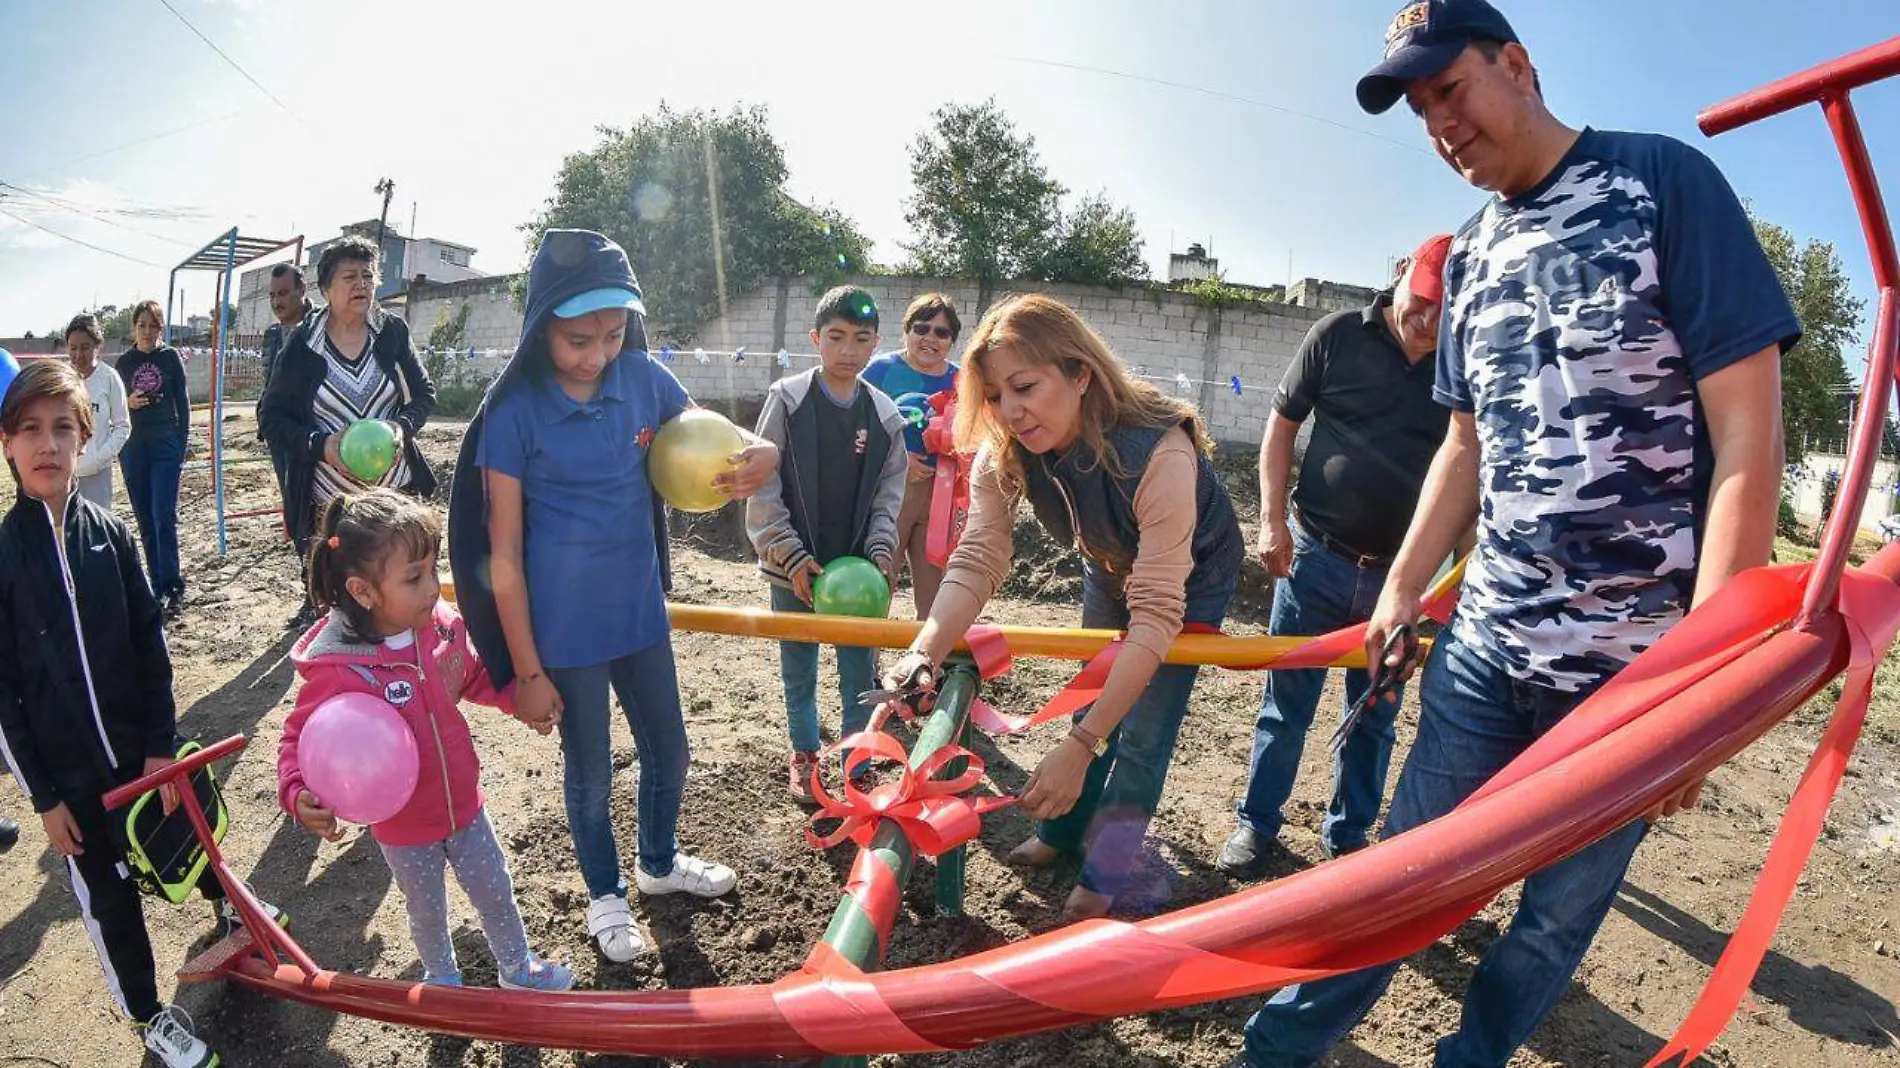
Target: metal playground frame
224 255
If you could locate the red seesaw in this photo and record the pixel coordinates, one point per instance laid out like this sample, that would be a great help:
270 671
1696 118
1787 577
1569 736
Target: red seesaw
1719 680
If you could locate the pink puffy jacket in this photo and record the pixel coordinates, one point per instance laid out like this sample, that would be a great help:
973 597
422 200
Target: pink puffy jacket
423 683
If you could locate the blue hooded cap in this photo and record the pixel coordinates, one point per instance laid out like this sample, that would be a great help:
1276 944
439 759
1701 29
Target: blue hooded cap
570 266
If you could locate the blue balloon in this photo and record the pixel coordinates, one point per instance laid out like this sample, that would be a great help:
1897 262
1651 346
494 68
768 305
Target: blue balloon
9 367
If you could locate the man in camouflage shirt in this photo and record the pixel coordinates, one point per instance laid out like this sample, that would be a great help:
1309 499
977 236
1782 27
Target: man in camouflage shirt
1611 355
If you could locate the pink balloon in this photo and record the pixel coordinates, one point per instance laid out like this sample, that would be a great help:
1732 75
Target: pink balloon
359 757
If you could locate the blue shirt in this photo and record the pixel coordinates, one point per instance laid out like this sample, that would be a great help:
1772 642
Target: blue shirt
895 377
1579 316
593 571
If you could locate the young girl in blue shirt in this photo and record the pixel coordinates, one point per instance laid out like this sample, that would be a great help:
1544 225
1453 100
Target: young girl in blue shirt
558 545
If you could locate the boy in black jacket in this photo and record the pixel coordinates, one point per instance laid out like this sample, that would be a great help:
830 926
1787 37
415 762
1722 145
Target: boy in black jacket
81 717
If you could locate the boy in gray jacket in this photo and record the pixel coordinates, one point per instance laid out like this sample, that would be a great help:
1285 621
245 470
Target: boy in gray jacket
836 493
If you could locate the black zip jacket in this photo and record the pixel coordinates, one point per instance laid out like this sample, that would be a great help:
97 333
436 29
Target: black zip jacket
79 717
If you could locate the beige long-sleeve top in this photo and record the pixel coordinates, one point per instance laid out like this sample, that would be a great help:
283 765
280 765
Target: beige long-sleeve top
1156 586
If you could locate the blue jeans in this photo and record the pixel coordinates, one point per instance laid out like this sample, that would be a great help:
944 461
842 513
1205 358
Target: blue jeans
1123 786
798 670
152 469
1323 593
1475 719
649 693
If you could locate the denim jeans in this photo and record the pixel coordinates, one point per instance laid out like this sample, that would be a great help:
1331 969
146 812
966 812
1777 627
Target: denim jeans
1123 786
1324 592
649 692
798 670
1475 719
152 469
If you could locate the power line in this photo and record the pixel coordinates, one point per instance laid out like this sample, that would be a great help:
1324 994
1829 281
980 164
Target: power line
137 142
79 241
1220 94
234 64
71 207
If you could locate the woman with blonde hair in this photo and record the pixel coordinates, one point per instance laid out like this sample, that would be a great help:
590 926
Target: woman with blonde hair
1121 471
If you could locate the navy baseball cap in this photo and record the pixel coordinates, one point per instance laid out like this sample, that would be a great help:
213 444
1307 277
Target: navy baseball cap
1423 39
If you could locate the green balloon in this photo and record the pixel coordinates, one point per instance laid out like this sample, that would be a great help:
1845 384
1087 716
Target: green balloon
852 586
368 449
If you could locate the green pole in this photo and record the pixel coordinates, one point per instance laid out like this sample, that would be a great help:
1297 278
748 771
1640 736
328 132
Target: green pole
950 865
851 932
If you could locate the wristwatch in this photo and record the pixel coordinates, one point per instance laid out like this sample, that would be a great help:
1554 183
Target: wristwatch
1096 746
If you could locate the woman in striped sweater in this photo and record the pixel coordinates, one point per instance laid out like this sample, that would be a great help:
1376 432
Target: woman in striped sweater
348 361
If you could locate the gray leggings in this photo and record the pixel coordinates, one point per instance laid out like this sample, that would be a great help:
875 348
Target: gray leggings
483 872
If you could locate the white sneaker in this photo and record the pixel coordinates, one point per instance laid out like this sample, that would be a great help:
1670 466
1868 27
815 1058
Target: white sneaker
701 878
169 1036
610 925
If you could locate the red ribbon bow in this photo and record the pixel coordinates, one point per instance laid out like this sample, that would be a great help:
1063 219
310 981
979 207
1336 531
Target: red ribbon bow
933 818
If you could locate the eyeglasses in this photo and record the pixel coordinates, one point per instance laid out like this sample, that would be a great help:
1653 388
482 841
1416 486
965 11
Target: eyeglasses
942 333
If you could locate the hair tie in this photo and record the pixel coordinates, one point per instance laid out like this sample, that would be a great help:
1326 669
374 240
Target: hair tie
334 542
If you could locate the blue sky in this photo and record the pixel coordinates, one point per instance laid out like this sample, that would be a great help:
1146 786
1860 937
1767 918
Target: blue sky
1256 149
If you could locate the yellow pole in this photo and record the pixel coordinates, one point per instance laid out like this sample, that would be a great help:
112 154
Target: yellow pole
1059 643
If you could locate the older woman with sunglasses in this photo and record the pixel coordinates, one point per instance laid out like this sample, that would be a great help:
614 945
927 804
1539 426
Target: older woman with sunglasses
923 366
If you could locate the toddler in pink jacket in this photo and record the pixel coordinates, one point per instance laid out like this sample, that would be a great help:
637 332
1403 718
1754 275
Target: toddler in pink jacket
389 634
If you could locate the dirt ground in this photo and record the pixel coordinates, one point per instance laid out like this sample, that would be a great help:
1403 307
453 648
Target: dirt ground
1824 997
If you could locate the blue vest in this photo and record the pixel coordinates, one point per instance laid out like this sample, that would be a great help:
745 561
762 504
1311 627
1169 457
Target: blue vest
1080 503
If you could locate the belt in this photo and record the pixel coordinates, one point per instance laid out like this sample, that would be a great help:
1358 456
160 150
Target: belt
1362 561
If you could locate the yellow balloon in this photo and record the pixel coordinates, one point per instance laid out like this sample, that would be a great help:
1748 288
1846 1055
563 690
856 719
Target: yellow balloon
687 453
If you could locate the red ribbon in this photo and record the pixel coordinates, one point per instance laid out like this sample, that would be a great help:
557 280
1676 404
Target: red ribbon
1871 608
950 492
926 808
991 651
932 817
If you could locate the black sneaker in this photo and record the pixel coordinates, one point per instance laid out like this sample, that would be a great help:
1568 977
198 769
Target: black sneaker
1247 854
9 834
173 604
1333 852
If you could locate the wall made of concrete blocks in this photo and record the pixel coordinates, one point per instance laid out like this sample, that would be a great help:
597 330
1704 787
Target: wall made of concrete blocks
1162 335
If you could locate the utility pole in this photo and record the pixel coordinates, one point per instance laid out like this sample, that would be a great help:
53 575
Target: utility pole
387 187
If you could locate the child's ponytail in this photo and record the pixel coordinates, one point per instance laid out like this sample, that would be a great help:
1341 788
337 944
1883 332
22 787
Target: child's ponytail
354 536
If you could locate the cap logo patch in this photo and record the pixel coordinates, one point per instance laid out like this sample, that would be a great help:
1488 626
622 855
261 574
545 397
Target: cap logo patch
1412 19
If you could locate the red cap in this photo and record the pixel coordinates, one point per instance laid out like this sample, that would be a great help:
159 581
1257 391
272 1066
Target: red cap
1426 279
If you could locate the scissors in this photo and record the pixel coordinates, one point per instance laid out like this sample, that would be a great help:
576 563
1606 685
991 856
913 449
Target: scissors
1385 679
921 682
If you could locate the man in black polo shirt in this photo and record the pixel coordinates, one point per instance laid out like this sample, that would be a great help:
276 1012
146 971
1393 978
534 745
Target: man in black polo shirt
1367 375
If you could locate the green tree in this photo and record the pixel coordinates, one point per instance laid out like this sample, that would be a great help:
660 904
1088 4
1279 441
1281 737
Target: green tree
1097 244
114 322
986 208
1814 371
984 205
652 187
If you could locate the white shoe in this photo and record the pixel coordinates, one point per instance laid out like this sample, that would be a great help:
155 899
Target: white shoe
610 925
229 919
169 1036
701 878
